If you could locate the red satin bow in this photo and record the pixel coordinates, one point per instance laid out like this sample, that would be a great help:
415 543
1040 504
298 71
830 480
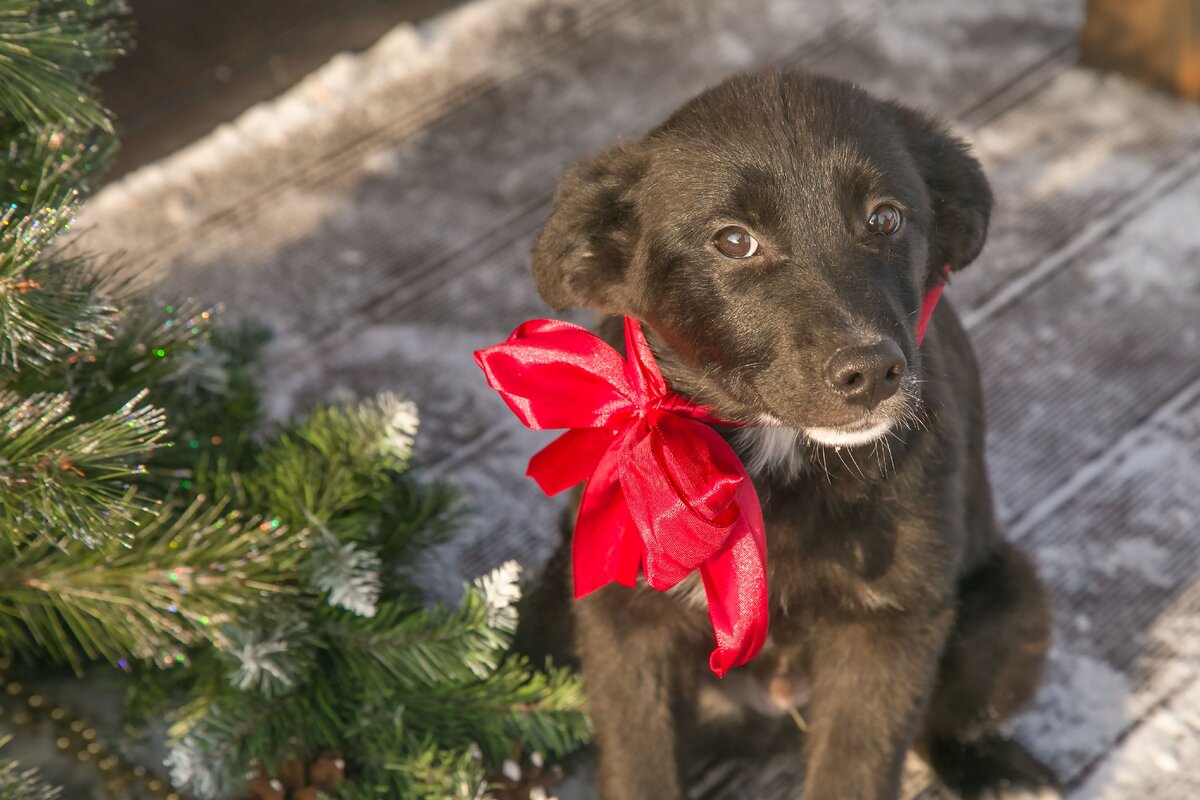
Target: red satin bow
664 492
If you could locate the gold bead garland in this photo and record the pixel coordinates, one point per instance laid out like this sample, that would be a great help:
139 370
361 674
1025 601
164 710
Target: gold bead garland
77 736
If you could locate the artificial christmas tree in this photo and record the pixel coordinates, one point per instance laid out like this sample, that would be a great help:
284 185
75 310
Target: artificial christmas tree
93 565
421 700
255 585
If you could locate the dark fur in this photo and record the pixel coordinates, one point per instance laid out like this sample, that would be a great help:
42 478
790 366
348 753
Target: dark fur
894 597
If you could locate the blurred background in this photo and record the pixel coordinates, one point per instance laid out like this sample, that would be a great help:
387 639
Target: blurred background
365 178
197 65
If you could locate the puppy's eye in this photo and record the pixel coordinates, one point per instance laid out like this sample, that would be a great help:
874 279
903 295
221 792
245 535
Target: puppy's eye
885 220
736 242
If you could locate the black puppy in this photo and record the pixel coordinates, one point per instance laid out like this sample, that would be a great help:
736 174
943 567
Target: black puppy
776 235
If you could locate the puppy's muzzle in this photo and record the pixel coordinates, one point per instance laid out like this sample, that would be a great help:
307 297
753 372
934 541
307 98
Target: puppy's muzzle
866 376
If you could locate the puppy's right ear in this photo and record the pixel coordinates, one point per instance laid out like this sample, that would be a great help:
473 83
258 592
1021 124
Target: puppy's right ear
580 257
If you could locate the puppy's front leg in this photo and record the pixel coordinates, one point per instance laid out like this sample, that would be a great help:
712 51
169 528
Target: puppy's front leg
871 679
629 654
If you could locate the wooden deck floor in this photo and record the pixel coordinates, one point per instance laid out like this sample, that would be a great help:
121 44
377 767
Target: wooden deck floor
381 218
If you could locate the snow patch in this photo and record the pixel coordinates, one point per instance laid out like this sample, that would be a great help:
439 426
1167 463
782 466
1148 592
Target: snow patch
1080 711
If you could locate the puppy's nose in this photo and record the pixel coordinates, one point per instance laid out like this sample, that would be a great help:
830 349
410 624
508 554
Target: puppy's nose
867 375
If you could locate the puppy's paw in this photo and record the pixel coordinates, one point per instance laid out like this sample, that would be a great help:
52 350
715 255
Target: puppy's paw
993 768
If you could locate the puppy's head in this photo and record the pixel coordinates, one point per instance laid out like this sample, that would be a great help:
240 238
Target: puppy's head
776 234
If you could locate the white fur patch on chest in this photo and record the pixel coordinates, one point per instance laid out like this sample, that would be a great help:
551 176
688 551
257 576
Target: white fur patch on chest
772 449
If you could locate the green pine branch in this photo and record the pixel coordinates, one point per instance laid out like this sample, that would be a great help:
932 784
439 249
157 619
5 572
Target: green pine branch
414 517
43 167
50 307
56 135
341 472
207 381
384 690
333 469
371 672
49 53
426 770
144 346
174 585
64 480
417 647
200 374
542 710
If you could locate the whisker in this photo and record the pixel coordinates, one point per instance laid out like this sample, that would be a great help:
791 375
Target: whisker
820 451
861 472
887 447
838 452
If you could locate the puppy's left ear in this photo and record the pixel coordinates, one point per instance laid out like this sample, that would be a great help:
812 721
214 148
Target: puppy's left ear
958 190
579 258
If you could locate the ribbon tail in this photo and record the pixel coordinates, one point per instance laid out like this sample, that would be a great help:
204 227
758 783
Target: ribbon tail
605 547
735 584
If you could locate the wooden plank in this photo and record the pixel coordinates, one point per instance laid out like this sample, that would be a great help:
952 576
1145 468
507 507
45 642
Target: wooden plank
1157 760
1121 557
1155 41
1094 350
952 63
1069 165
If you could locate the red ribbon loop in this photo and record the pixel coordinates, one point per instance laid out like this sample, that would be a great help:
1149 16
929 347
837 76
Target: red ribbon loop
665 494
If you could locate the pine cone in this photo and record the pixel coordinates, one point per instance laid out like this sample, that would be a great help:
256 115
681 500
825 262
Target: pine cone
327 770
296 781
263 787
291 773
524 778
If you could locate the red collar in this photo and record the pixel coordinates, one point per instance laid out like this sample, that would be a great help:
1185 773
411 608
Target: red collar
929 303
665 494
